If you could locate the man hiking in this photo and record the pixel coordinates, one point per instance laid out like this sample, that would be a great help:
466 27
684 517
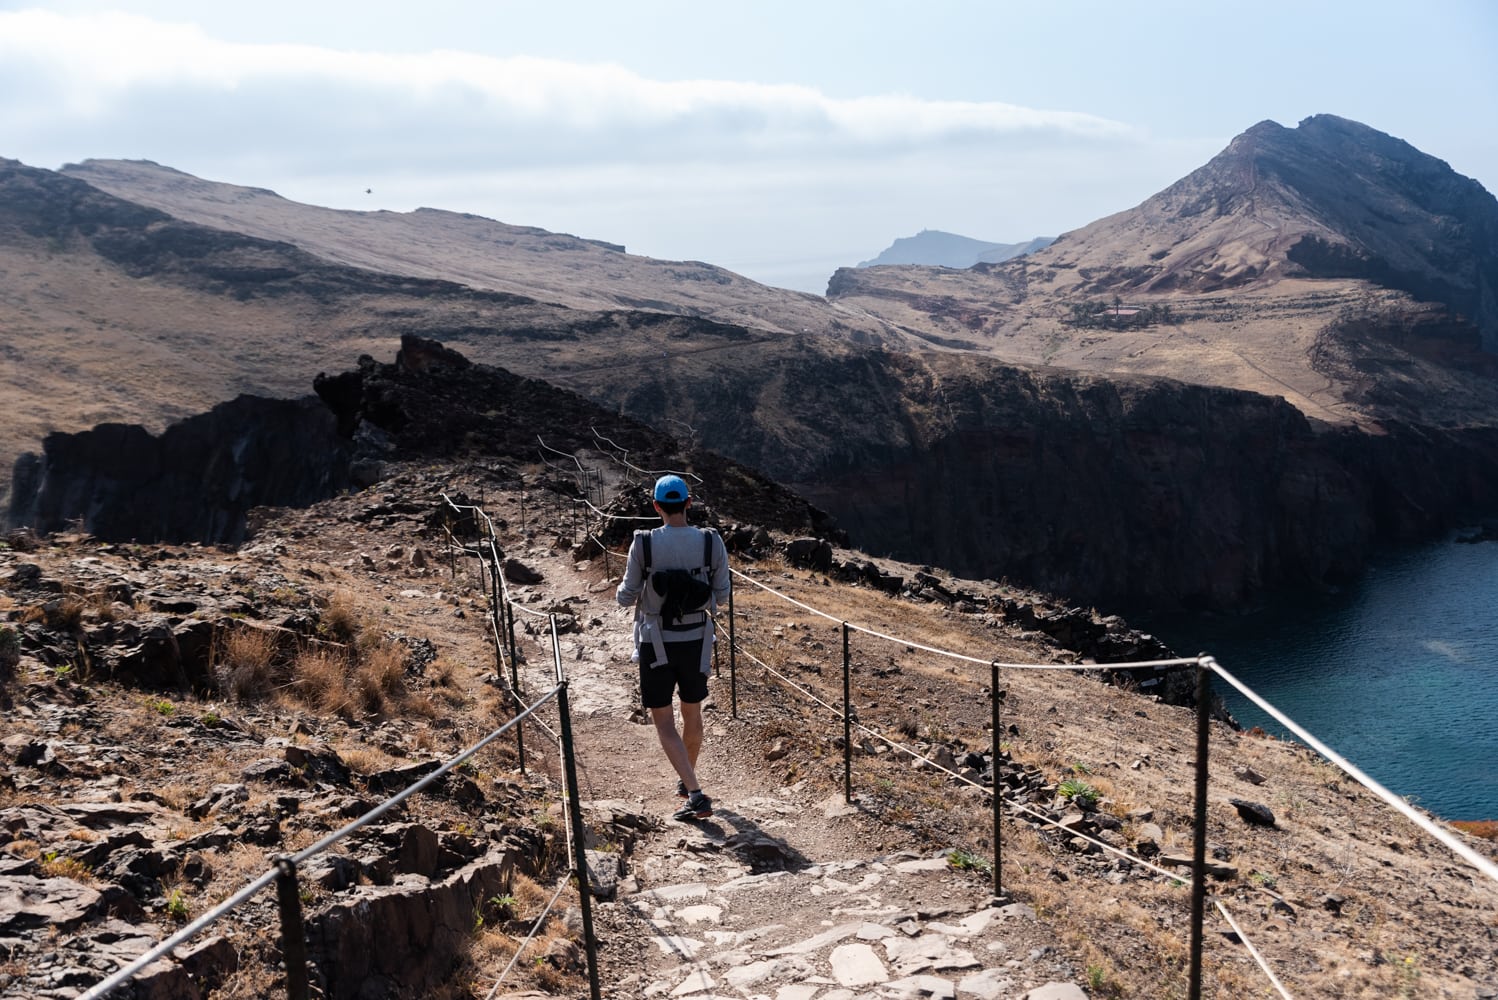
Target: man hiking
676 575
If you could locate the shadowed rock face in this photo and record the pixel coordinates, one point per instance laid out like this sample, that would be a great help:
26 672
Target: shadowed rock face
1121 491
196 481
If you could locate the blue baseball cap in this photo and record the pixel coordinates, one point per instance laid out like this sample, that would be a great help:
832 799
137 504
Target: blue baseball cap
670 489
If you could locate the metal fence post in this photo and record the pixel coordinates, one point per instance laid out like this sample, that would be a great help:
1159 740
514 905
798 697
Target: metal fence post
515 694
496 607
1199 848
574 805
998 843
733 671
293 934
847 720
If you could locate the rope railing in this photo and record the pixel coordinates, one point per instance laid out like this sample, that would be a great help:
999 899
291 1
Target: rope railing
1132 665
113 982
1206 665
535 928
1482 864
1486 866
1016 806
634 468
571 792
575 460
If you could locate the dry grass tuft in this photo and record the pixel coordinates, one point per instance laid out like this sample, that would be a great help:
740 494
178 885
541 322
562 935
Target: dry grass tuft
380 678
367 759
244 664
320 679
340 619
370 684
1484 828
72 868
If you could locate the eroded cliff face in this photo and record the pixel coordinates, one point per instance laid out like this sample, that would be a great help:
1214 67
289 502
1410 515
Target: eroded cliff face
198 480
1120 493
1124 492
194 482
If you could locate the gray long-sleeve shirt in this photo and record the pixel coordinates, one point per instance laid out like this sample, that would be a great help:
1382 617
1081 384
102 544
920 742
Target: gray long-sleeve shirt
671 548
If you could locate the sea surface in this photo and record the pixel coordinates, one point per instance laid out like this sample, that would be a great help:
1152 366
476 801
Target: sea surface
1397 672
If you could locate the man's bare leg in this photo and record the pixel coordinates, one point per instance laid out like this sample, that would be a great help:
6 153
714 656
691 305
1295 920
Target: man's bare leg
691 731
681 755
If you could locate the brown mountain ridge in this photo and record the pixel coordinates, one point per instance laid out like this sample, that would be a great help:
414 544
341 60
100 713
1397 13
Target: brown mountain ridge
1268 269
1067 410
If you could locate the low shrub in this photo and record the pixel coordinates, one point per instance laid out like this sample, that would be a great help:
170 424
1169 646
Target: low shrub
244 663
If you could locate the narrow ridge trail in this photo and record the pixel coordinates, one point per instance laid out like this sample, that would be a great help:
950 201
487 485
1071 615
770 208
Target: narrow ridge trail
787 892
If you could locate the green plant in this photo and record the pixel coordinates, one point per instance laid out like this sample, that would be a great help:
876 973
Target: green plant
59 867
1096 977
161 706
210 718
1408 971
1079 791
1263 878
1080 767
176 906
965 860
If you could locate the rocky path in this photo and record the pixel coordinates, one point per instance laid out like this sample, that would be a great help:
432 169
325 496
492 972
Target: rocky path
787 892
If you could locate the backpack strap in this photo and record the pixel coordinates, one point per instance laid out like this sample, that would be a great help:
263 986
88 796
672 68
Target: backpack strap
707 554
644 536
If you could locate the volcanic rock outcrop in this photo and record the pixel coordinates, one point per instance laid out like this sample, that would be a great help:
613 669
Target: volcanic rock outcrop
196 481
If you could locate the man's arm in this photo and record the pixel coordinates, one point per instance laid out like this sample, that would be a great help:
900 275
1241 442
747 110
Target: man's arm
634 575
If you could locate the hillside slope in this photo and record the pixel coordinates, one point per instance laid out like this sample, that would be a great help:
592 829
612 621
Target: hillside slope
205 758
484 254
1249 273
934 247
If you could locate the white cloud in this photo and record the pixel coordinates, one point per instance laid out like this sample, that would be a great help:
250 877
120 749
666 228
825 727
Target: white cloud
709 169
132 73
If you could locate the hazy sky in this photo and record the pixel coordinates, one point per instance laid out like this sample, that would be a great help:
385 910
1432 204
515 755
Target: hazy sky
778 139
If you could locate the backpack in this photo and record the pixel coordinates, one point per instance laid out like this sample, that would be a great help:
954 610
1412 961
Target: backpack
681 592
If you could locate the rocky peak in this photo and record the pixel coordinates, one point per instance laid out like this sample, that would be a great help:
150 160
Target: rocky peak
1331 198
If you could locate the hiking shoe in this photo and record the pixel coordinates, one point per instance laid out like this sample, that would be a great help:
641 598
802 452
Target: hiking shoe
681 790
698 806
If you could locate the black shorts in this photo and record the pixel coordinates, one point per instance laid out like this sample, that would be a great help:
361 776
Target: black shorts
681 671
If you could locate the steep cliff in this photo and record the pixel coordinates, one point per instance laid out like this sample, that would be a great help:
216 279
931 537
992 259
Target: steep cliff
198 479
194 482
1120 491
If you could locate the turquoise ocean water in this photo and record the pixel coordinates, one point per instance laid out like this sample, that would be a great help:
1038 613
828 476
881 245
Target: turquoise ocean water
1397 672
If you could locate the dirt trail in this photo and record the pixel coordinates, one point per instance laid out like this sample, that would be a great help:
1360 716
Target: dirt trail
786 892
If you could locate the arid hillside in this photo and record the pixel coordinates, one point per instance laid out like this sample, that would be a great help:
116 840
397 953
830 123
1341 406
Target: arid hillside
180 715
481 253
1329 264
1069 412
